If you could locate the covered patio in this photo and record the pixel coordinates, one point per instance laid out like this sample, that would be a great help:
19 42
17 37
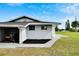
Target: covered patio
11 32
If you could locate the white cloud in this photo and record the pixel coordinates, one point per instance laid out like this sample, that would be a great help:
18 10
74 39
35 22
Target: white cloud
70 12
14 4
72 9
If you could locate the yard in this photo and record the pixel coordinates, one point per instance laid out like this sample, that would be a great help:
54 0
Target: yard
66 46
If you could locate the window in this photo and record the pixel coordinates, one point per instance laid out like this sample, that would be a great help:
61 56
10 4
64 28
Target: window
31 27
44 27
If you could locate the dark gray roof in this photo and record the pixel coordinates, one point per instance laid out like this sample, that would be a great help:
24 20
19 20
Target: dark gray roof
22 24
13 24
25 17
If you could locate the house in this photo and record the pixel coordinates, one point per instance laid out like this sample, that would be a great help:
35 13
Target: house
27 30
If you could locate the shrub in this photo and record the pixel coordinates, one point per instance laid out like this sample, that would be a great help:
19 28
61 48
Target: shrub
78 30
72 30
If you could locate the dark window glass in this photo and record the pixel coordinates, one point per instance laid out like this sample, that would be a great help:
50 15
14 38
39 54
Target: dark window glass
31 27
44 27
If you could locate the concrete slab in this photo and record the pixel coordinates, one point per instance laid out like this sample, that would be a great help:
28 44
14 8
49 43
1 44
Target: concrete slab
15 45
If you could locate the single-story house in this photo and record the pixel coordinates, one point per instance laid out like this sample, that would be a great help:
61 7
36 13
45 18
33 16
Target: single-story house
25 29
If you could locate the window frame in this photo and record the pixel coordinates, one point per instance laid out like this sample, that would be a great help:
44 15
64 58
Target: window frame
43 27
31 27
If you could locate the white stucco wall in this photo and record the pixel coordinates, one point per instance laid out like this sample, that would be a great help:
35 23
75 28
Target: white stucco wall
25 33
40 34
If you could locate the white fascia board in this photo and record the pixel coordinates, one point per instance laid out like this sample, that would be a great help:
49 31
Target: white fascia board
9 26
27 25
39 24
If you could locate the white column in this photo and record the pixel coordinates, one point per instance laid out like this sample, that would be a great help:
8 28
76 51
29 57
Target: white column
22 34
53 31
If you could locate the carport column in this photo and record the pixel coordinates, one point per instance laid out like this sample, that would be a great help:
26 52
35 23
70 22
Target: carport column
53 31
22 34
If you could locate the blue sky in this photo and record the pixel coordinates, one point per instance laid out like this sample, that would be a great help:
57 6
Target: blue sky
55 12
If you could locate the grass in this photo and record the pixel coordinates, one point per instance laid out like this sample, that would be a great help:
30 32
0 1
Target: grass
66 46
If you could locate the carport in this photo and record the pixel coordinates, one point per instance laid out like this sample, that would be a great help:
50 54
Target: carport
11 32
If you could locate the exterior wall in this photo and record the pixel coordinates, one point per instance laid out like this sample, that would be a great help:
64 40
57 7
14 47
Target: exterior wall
40 34
23 20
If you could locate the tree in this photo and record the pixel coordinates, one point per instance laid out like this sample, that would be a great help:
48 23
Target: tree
75 24
56 28
67 25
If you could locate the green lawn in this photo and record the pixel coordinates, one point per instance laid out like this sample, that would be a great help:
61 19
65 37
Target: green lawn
66 46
